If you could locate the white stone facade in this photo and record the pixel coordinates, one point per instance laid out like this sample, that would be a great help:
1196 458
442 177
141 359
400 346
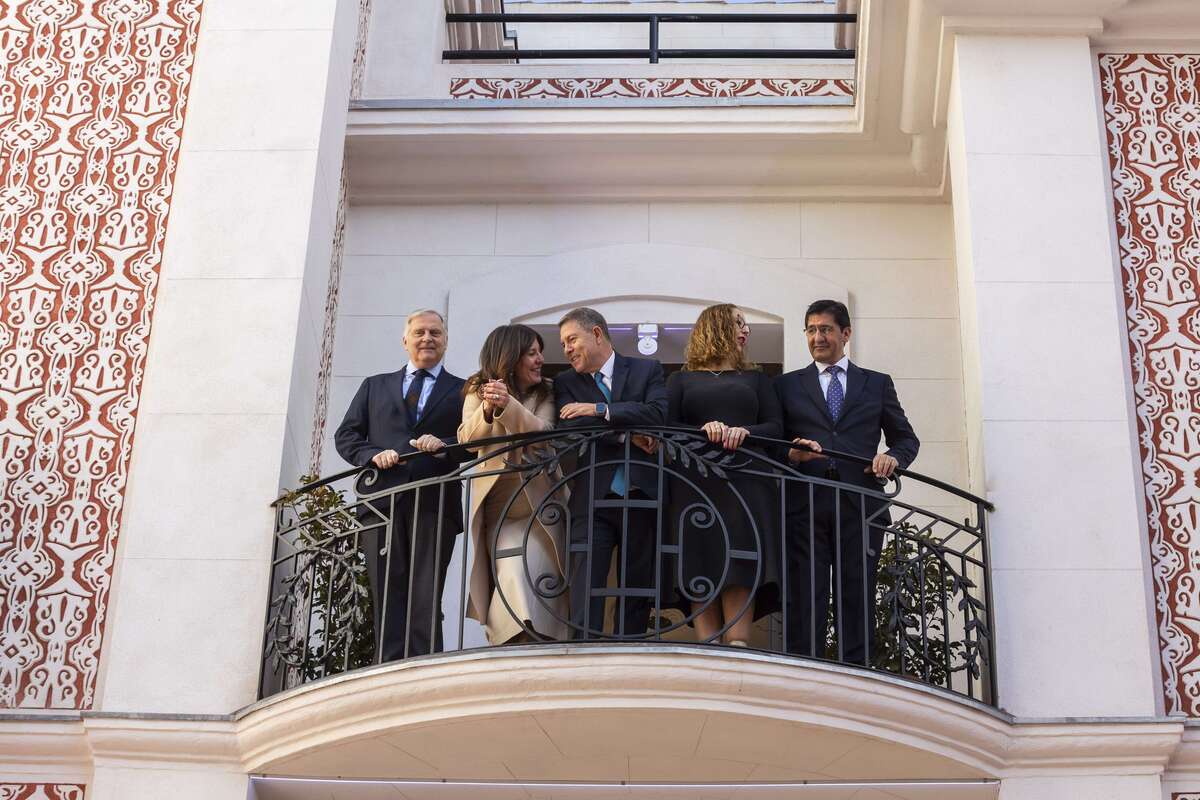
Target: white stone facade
962 203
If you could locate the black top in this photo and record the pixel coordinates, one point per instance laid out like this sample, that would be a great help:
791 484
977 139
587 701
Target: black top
743 399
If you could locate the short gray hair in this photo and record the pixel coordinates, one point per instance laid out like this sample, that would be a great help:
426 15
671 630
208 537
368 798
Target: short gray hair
424 312
586 318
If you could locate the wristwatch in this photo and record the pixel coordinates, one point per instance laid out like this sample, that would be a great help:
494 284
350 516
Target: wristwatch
601 409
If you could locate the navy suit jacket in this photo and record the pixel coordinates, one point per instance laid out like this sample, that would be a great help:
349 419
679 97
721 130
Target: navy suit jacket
639 397
378 420
870 409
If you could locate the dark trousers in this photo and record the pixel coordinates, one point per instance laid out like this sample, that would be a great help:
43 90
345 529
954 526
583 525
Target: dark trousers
635 568
403 612
836 547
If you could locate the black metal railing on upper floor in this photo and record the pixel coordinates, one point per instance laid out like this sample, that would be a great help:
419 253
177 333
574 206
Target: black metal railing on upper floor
653 52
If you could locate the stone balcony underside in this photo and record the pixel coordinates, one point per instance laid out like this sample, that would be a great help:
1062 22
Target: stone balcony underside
652 713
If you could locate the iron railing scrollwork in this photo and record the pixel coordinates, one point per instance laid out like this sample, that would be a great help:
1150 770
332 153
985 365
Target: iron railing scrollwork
927 616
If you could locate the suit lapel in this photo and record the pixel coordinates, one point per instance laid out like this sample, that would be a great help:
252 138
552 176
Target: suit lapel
395 389
856 378
620 373
441 387
812 386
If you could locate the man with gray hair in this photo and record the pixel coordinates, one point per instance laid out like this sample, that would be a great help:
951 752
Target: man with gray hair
393 416
605 388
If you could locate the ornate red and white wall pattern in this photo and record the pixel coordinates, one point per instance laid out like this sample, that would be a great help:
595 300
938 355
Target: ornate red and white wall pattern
40 791
1152 113
92 96
586 88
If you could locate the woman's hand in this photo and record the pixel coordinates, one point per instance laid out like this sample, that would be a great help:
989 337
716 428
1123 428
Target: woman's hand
734 437
715 431
495 397
427 443
498 394
809 450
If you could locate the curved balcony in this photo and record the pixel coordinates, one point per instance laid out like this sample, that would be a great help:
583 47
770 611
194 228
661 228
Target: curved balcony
921 570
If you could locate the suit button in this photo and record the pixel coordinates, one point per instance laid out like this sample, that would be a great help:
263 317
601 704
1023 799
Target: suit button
835 434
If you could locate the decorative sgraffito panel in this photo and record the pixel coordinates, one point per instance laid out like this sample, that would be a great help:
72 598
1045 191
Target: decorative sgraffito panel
644 88
92 95
1152 115
40 791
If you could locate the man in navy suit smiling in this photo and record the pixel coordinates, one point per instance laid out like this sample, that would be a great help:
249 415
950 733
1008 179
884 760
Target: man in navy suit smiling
834 403
395 414
602 388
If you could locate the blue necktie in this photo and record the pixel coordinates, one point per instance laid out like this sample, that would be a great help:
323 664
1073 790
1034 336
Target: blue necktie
618 482
834 397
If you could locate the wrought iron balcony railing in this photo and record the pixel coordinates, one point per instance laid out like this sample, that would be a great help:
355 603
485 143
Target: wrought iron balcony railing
652 52
699 526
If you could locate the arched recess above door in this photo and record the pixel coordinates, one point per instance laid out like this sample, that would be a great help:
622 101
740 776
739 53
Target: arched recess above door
648 276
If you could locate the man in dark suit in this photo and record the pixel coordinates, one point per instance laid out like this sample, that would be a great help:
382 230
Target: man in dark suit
392 415
836 404
607 389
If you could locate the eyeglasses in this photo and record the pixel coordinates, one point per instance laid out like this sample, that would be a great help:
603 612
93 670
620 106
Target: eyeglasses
824 330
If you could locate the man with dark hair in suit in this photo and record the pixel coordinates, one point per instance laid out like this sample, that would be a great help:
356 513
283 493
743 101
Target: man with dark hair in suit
834 403
395 414
606 388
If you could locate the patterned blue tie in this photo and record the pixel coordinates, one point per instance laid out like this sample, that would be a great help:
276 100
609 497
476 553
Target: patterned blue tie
618 482
835 396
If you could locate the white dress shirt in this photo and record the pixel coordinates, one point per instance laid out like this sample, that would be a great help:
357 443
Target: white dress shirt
427 389
824 377
606 374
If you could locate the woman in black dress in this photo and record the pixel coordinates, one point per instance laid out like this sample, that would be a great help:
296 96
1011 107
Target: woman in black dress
729 400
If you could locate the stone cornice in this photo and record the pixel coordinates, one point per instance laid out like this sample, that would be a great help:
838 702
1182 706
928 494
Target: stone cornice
490 684
43 748
138 740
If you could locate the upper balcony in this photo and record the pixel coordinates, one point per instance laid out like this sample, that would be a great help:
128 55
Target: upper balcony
801 98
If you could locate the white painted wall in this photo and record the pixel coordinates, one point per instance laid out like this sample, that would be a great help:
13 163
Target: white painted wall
1044 327
249 219
893 260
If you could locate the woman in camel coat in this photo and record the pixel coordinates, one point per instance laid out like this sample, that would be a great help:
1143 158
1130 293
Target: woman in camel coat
508 396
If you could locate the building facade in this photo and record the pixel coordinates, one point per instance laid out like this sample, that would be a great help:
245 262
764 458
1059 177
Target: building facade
217 214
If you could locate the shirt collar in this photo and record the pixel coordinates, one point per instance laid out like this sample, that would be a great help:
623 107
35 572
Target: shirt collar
843 362
433 371
609 365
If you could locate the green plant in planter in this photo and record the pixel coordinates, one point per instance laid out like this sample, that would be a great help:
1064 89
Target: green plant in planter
337 634
916 590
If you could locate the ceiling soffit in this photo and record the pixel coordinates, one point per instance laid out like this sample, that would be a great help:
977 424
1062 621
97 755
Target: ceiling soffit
890 145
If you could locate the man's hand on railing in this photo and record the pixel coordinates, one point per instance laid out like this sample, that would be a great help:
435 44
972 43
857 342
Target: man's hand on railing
385 459
883 466
647 444
427 443
811 450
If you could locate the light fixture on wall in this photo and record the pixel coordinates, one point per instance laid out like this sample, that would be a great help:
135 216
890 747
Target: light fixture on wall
647 338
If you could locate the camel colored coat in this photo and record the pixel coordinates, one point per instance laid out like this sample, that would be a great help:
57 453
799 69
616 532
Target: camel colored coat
517 417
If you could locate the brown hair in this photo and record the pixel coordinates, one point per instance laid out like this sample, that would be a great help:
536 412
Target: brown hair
714 339
502 350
